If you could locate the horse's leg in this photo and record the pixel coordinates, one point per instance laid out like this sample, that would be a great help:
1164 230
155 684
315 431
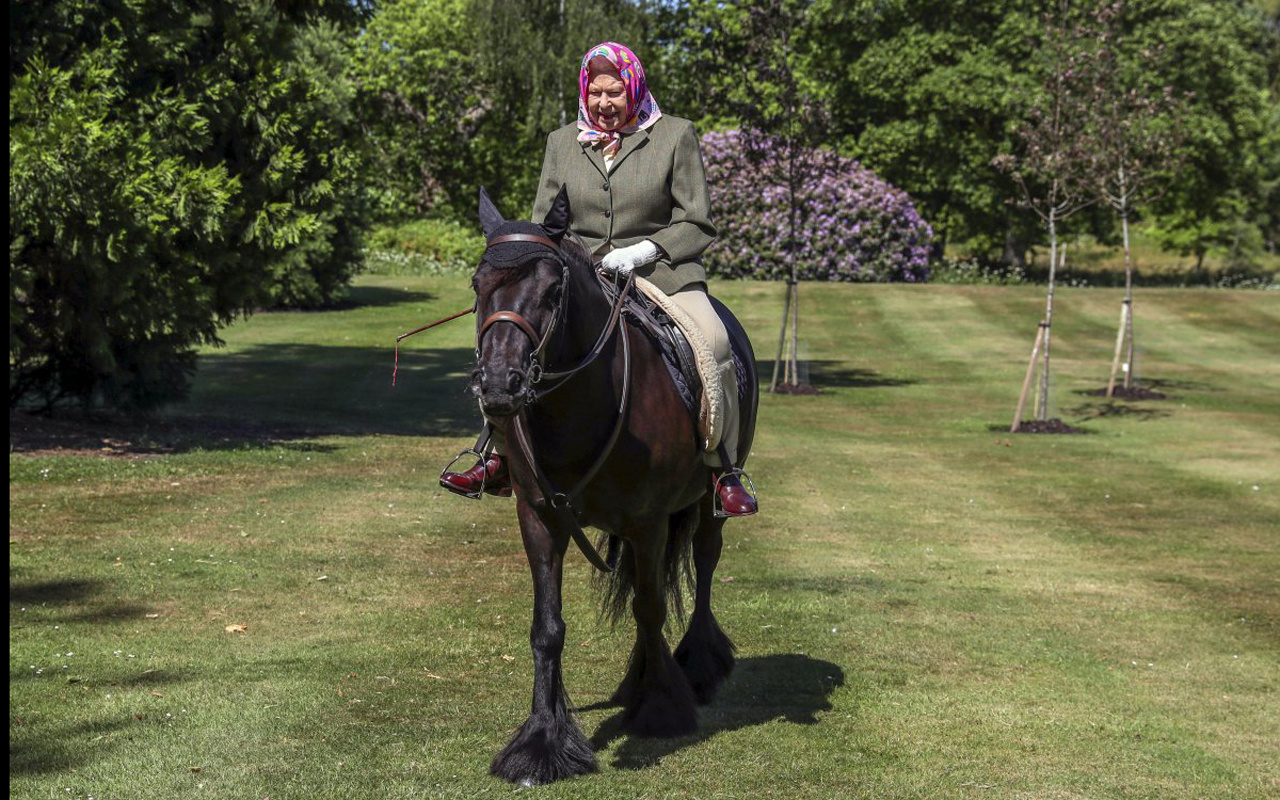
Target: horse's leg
705 653
549 746
656 695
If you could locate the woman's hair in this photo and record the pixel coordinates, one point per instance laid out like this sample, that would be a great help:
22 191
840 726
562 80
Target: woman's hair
599 65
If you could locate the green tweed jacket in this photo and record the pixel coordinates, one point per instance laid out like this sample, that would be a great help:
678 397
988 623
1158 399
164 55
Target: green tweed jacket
656 190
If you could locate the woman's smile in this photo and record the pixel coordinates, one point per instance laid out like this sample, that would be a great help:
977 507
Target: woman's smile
607 99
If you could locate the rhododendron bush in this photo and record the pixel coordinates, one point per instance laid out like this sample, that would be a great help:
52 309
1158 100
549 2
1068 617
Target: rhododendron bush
853 226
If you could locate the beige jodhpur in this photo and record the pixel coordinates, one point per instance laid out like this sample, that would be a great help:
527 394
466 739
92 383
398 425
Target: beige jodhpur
693 301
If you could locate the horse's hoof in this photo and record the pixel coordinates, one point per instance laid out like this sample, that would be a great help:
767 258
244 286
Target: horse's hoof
665 712
545 751
706 656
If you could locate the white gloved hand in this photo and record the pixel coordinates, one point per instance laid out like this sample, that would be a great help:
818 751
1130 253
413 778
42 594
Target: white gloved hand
625 259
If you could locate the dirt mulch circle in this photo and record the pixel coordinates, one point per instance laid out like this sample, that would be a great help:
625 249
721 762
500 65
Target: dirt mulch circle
796 388
1129 393
1047 426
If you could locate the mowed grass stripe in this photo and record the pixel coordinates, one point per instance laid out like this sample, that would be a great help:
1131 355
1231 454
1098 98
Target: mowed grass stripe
896 640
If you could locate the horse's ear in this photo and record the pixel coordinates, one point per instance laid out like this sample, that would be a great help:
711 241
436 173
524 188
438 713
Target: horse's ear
490 216
557 219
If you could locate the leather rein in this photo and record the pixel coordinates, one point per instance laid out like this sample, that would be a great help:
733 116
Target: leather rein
541 381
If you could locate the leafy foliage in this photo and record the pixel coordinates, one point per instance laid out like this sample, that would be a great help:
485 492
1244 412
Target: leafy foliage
925 92
172 165
1218 57
448 244
856 227
457 94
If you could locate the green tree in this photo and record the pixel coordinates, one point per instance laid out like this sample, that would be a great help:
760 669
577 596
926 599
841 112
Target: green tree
1138 140
1057 163
925 92
1218 57
172 165
749 59
455 94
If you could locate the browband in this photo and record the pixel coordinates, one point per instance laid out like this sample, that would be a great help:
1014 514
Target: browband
523 237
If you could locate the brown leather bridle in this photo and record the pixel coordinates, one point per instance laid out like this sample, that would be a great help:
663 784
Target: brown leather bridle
540 382
536 371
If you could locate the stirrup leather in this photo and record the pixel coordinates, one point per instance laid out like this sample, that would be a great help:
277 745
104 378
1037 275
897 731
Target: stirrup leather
482 460
748 484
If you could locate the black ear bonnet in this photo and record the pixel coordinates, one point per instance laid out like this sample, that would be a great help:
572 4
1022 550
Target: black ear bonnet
512 254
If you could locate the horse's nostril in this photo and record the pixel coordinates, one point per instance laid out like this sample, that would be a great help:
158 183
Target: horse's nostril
514 380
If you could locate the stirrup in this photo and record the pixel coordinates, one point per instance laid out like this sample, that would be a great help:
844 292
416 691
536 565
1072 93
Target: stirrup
717 510
482 460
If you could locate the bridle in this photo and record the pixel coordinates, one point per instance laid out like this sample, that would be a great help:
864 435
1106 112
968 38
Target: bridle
541 381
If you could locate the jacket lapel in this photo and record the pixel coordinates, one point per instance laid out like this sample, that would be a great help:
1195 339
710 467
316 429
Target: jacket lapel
596 158
630 144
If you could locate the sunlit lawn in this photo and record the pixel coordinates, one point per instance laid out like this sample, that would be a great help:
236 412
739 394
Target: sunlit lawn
926 607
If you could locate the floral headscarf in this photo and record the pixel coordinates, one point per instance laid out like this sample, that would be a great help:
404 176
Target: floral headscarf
642 109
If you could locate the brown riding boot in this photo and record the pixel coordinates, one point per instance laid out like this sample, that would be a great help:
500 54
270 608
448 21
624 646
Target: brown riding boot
734 499
492 475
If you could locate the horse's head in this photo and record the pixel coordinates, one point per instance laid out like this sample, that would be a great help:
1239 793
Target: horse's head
519 286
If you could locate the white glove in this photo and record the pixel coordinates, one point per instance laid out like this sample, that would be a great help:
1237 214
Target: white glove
625 259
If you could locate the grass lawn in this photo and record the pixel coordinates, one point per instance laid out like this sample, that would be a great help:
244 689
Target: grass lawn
927 606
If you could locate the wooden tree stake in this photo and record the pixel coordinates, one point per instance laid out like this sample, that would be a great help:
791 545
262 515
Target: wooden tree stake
1026 382
782 339
1121 335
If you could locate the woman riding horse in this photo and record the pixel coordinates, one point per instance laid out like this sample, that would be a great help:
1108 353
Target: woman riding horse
638 200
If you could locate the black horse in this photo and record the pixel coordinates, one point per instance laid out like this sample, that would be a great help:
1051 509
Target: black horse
556 382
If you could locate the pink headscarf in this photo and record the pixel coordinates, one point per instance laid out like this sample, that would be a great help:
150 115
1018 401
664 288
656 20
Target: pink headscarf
642 109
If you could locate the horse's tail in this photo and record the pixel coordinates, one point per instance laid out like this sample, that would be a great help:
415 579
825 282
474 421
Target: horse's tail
616 587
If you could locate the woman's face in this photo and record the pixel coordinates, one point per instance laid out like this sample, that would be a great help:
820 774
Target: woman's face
607 101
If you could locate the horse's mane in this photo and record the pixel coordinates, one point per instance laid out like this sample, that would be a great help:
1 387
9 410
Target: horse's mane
575 251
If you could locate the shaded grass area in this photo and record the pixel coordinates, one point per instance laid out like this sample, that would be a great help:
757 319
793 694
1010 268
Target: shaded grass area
926 607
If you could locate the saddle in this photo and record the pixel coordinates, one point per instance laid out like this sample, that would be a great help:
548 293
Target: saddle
647 314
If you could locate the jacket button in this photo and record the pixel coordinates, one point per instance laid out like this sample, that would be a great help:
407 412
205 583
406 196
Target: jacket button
608 213
605 187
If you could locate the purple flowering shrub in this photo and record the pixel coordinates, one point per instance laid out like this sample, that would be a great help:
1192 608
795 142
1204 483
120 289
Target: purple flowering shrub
854 226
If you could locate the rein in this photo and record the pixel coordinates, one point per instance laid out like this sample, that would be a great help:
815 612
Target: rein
536 374
541 382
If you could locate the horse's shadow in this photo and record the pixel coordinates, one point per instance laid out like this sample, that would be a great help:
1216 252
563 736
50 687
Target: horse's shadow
789 688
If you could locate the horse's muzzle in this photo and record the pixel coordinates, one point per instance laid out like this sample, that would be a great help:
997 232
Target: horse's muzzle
500 398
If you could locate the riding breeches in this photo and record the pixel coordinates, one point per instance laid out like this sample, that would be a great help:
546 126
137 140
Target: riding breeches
693 301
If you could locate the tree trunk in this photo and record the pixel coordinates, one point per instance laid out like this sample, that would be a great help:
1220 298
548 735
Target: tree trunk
791 370
1042 402
1128 295
1125 334
1015 251
795 335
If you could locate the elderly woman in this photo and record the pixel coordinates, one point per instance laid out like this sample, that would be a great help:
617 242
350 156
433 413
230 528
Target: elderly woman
638 200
